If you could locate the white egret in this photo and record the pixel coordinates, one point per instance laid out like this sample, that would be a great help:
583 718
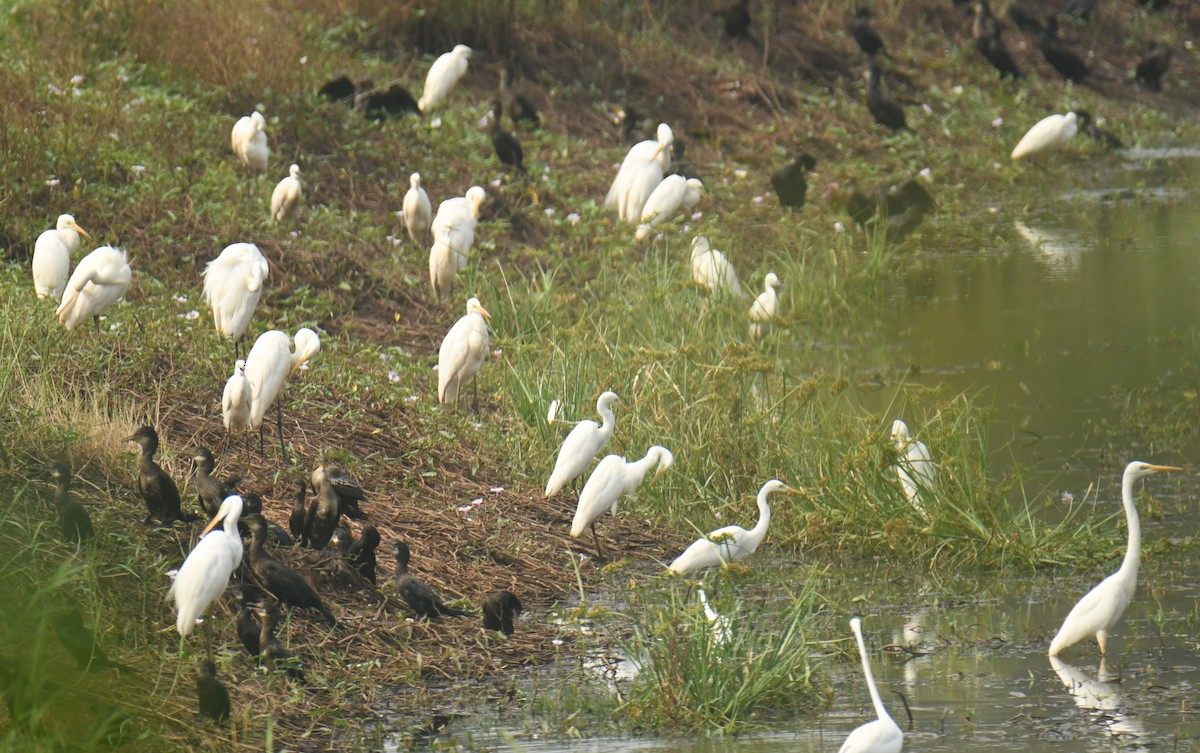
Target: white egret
1048 133
249 138
641 171
418 212
672 196
453 231
236 401
99 281
443 75
882 735
1103 606
712 270
204 575
914 467
269 365
582 444
720 626
52 257
765 309
463 352
285 199
614 478
730 543
232 286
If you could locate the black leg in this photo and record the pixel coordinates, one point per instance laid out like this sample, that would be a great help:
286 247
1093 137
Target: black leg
596 538
475 393
279 428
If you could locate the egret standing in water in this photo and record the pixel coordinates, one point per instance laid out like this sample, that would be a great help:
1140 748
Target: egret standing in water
1048 133
915 467
418 212
1103 606
249 139
581 445
614 478
233 283
640 173
731 543
882 735
98 282
462 353
52 257
205 573
269 365
285 199
443 75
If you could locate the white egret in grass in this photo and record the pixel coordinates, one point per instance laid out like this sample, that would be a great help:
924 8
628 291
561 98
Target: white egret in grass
443 75
720 626
765 308
236 401
99 281
673 195
453 238
285 199
882 735
418 212
463 351
914 467
269 365
204 575
1048 133
1103 606
641 172
731 543
581 445
712 270
614 478
52 257
233 283
249 138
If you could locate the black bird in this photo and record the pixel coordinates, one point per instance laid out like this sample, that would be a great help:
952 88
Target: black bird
989 41
341 540
864 34
73 518
1100 135
281 581
210 490
211 694
81 643
895 209
323 513
299 512
249 629
508 149
518 106
158 490
1152 67
499 610
628 120
252 505
362 553
886 111
735 20
1059 54
1028 18
274 651
418 596
340 89
789 182
391 102
349 492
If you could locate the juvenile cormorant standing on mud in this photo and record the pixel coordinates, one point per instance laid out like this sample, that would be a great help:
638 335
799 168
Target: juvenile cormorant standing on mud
419 597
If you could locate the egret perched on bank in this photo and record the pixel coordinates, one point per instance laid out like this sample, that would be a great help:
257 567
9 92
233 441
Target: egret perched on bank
673 195
1048 133
269 365
731 543
418 212
236 400
463 352
1103 606
882 735
765 309
52 257
285 199
640 173
232 286
711 269
204 575
582 444
99 281
443 75
915 467
453 238
249 138
614 478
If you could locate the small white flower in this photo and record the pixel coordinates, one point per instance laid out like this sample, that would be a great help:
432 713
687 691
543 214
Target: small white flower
393 376
477 502
294 234
483 122
54 89
740 172
925 173
928 110
756 200
437 123
181 299
476 426
53 182
957 89
659 237
138 169
497 353
122 78
696 216
838 226
495 183
553 414
412 398
496 489
997 165
557 641
172 573
76 91
304 60
304 366
997 122
573 218
717 515
396 242
549 211
1068 497
193 314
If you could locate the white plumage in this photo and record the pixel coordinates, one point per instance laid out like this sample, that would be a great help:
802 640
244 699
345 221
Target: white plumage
730 543
271 362
249 139
453 238
418 212
672 196
581 445
463 351
614 478
712 270
881 735
1049 133
52 257
765 309
641 171
233 283
443 75
205 573
915 467
99 281
236 399
285 199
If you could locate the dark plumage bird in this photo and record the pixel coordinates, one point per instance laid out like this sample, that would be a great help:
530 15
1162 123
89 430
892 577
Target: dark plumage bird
1087 124
252 505
340 89
73 518
281 581
508 149
362 553
518 106
735 20
989 41
864 34
210 490
1153 65
274 651
323 513
158 490
389 103
499 610
211 693
349 492
896 209
416 594
299 511
1080 8
628 121
789 181
1028 18
81 643
886 111
1059 54
249 629
341 540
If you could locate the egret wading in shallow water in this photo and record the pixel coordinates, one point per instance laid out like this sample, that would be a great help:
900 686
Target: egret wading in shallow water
1103 606
581 445
731 543
462 353
453 238
418 212
711 269
614 478
915 467
673 195
882 735
1048 133
205 573
269 365
640 173
233 283
765 309
98 282
249 138
443 75
285 199
52 257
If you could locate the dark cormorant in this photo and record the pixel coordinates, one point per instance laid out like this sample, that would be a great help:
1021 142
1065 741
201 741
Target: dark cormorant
1100 135
391 102
897 208
362 553
156 487
349 492
864 34
989 41
340 89
272 649
299 512
341 540
73 518
252 504
211 694
518 106
416 594
1028 18
886 111
210 490
1152 67
508 149
789 182
1059 54
81 643
499 610
281 581
323 513
249 629
735 20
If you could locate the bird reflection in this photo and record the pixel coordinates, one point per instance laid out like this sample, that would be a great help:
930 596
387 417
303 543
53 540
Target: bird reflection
1101 695
1059 251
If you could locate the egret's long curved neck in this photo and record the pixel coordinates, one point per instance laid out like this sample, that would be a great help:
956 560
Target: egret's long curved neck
639 468
1133 552
764 518
606 416
876 701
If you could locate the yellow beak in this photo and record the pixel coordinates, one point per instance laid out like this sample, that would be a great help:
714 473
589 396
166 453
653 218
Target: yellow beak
1165 468
211 525
483 312
80 230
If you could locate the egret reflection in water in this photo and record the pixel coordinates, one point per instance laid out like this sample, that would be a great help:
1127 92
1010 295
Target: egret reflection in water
1110 708
1061 252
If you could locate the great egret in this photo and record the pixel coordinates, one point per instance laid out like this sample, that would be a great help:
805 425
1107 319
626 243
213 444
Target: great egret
614 478
712 270
285 199
278 579
672 196
99 281
158 489
640 173
790 183
730 543
453 238
1048 133
418 212
1059 54
324 512
443 75
205 573
73 519
500 608
720 626
416 593
269 365
249 138
581 445
362 553
236 400
915 467
1102 607
233 283
886 111
1153 66
211 695
52 257
865 36
463 351
882 735
508 149
765 308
